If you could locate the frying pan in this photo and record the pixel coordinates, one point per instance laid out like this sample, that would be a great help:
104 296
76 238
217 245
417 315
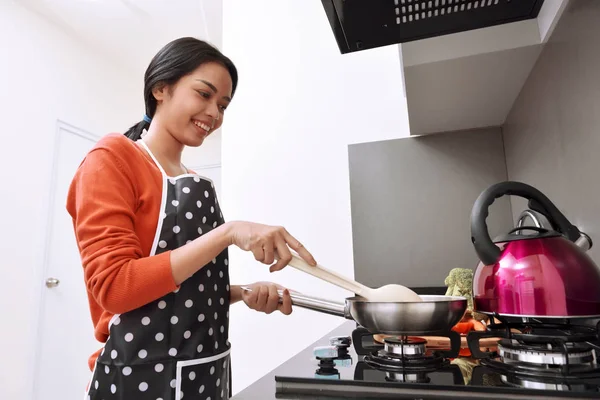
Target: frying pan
433 314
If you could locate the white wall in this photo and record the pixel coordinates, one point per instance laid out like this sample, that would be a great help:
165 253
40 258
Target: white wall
206 160
285 136
46 76
207 154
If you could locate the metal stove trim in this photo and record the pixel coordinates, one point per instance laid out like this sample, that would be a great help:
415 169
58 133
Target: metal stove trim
306 386
554 357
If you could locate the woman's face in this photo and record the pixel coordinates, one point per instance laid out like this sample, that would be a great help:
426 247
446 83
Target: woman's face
193 108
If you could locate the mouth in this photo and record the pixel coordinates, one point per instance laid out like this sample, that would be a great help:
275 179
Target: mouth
203 127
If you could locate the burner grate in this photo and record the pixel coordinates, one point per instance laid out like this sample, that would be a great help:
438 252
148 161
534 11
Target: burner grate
533 348
409 354
364 344
394 362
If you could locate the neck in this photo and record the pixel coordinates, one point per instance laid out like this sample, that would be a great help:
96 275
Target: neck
163 145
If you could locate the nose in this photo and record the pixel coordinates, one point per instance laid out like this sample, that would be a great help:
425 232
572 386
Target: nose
213 112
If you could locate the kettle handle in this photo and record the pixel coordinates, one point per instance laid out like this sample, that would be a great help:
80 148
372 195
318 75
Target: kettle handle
487 251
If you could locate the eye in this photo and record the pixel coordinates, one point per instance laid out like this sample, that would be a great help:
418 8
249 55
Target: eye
223 108
206 95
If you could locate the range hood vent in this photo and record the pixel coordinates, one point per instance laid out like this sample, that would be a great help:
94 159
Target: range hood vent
365 24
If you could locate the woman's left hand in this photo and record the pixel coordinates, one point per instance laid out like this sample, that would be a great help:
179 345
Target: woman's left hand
264 298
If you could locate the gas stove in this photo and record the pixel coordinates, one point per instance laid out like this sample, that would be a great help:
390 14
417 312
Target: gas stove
546 361
556 355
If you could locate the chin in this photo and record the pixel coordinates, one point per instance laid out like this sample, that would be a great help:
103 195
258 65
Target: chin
194 140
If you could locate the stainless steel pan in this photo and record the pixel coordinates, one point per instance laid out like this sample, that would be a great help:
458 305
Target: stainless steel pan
433 314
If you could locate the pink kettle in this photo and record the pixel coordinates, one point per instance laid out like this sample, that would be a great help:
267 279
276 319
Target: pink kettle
544 274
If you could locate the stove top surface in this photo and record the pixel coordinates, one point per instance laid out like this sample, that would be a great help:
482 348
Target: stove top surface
332 369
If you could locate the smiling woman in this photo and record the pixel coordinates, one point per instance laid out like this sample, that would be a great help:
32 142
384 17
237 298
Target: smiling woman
194 83
153 240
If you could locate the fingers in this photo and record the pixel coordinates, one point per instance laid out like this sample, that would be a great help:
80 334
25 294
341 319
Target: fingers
299 248
264 297
259 253
261 300
283 253
285 307
269 253
256 299
268 243
272 300
249 297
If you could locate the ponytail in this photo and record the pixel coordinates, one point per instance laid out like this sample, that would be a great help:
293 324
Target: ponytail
135 132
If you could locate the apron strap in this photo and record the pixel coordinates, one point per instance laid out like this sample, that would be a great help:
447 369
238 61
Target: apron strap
162 171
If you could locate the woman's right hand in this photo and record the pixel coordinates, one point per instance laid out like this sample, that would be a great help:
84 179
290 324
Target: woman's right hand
268 243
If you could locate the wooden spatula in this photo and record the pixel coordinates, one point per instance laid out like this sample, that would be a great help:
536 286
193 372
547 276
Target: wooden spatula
388 293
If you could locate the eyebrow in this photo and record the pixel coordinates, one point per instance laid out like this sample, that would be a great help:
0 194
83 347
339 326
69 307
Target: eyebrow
213 87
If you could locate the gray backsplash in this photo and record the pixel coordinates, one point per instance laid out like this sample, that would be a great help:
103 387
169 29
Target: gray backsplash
552 134
411 201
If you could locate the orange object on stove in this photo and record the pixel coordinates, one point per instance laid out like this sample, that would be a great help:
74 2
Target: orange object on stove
464 327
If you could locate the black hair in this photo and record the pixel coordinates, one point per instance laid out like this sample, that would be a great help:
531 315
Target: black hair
175 60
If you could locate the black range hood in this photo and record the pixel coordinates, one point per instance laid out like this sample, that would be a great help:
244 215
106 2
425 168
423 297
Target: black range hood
365 24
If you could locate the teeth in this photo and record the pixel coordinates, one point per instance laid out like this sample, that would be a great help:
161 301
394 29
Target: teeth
203 126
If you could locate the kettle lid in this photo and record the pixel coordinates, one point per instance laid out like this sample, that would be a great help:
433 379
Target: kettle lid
516 234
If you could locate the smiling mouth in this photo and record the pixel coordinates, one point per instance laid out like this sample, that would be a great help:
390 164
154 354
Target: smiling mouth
202 126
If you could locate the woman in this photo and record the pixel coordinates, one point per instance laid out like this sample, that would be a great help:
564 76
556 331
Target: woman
153 241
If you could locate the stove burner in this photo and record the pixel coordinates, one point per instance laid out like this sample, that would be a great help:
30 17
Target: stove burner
540 354
406 355
515 381
406 346
401 369
545 355
539 342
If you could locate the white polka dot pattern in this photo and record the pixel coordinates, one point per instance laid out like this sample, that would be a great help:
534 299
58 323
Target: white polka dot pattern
191 322
209 380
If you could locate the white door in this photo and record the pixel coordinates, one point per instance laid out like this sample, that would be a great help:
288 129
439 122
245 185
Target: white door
65 331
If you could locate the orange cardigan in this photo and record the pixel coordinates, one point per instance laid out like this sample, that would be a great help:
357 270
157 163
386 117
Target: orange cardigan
114 201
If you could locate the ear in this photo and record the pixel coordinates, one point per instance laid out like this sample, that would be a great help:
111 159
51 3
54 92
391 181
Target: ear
159 92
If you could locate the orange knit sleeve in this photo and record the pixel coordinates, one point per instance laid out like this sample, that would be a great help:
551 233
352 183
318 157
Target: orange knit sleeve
102 201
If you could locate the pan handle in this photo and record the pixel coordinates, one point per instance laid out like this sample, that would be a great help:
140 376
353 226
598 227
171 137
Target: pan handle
313 303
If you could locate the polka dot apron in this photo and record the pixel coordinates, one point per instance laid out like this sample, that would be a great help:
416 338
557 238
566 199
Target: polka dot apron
177 346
